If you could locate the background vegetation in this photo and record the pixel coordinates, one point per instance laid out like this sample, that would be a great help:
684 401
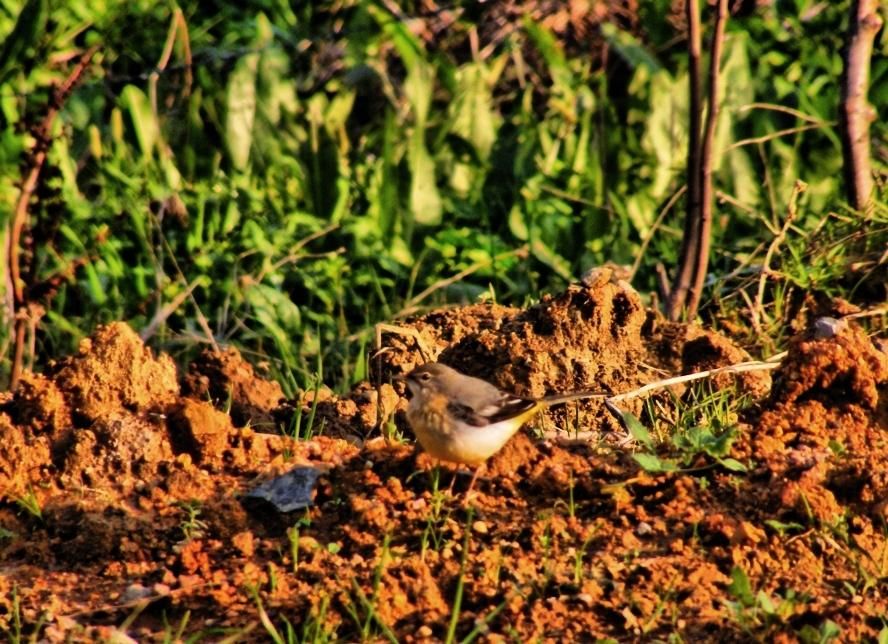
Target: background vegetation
282 176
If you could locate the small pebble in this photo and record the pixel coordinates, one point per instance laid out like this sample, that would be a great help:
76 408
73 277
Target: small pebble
827 327
160 589
424 631
643 528
119 637
586 598
480 527
134 592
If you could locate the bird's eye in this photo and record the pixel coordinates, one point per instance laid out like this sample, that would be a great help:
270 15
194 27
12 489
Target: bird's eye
425 376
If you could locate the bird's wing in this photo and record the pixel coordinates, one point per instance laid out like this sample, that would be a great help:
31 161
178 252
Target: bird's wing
506 407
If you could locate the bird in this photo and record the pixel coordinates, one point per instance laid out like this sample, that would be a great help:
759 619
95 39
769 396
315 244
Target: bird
466 420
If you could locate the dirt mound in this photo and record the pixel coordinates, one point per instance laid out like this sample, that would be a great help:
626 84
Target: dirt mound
354 417
111 419
595 336
432 333
587 338
823 436
226 379
114 369
684 348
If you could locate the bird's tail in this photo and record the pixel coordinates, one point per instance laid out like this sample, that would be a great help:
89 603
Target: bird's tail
557 399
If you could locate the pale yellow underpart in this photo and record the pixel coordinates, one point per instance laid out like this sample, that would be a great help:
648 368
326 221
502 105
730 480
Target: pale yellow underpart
449 439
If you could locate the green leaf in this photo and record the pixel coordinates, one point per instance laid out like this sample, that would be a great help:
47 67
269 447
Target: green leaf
829 631
143 118
836 448
735 91
638 431
474 118
740 587
425 200
666 129
277 314
741 173
240 112
653 463
550 258
29 28
409 47
733 464
518 223
765 602
782 528
629 47
553 54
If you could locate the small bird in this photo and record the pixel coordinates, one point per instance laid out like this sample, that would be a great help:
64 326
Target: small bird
466 420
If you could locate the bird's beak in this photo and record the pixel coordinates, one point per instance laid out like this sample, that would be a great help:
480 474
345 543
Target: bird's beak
401 377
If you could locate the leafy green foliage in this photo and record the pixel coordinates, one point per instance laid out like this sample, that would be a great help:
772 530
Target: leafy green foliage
760 612
704 424
713 442
293 174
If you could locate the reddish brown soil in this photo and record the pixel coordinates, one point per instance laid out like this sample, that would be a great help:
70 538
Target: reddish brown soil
139 477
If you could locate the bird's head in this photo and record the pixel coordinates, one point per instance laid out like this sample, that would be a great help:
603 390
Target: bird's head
429 377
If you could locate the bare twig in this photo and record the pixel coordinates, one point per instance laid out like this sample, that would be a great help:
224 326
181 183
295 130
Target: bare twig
768 182
201 318
647 239
690 377
413 304
731 199
754 365
294 254
855 111
43 139
782 108
776 135
662 281
178 27
679 289
867 314
701 258
758 310
167 310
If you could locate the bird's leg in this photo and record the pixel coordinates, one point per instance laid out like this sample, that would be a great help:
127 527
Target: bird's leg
472 485
452 482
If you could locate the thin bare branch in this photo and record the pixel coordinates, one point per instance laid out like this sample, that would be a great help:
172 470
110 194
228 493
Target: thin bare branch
691 377
701 259
758 310
681 284
43 138
776 135
782 108
753 365
647 239
855 111
413 304
166 311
